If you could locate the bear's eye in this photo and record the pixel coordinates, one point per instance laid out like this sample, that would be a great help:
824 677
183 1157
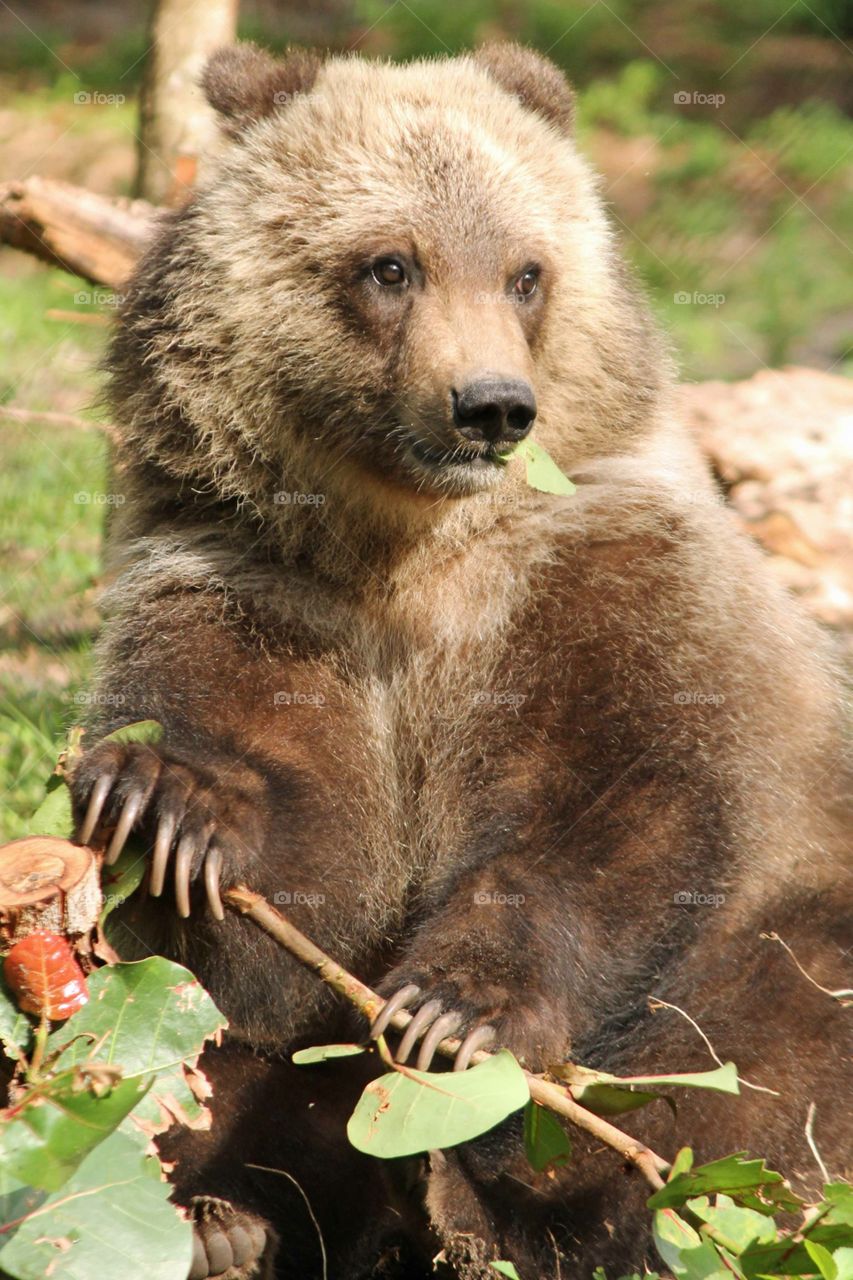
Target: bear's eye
389 271
525 285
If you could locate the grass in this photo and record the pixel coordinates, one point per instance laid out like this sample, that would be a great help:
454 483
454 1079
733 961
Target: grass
49 542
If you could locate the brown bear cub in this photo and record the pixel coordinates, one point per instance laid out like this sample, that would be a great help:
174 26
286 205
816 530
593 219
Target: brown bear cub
526 759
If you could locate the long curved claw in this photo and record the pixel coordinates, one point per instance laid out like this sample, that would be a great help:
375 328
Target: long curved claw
97 800
160 858
183 863
129 814
397 1002
422 1019
443 1026
212 873
476 1039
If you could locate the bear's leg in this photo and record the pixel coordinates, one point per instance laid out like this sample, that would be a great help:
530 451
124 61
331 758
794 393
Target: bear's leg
277 1154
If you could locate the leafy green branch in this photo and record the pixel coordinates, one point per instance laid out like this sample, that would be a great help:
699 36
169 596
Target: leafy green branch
711 1222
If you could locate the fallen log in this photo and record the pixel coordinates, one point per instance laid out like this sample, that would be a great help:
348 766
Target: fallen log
92 236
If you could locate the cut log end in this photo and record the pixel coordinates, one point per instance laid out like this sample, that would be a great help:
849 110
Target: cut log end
47 884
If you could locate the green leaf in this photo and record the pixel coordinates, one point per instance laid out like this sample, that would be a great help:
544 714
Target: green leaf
749 1181
119 881
56 1125
780 1257
581 1079
742 1227
723 1079
112 1219
54 816
168 1100
545 1140
410 1111
15 1027
147 731
843 1259
505 1269
687 1255
144 1016
822 1259
682 1163
839 1196
610 1100
672 1234
542 471
322 1052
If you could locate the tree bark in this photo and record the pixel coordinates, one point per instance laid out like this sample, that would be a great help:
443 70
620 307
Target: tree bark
177 130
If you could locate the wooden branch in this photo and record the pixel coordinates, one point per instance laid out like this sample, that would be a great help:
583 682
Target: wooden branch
26 416
544 1092
87 234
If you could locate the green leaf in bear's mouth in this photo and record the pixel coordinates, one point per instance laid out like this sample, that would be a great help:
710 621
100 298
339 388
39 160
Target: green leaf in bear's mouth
542 471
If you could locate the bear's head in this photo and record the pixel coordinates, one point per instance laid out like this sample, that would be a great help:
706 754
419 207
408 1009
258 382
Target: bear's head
397 273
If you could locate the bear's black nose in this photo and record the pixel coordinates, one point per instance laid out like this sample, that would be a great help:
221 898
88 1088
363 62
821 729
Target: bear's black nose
496 410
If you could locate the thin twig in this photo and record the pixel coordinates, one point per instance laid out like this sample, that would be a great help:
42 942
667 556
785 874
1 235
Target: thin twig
842 994
656 1003
55 419
77 317
282 1173
547 1094
809 1132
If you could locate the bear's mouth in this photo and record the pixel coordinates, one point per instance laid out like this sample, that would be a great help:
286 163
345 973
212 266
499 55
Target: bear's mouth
460 456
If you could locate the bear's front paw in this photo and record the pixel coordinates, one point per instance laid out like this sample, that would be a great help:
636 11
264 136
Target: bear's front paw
434 1017
203 825
229 1243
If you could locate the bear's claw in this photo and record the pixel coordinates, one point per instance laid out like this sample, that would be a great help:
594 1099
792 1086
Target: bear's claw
125 788
433 1025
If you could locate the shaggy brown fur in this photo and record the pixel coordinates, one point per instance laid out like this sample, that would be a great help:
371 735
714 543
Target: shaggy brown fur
397 684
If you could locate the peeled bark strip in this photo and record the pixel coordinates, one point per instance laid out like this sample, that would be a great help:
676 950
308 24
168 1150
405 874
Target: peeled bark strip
47 884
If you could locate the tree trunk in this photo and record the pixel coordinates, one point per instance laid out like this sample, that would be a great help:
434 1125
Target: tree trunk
178 133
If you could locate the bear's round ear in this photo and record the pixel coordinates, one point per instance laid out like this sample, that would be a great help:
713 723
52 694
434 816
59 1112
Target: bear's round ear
532 78
244 83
